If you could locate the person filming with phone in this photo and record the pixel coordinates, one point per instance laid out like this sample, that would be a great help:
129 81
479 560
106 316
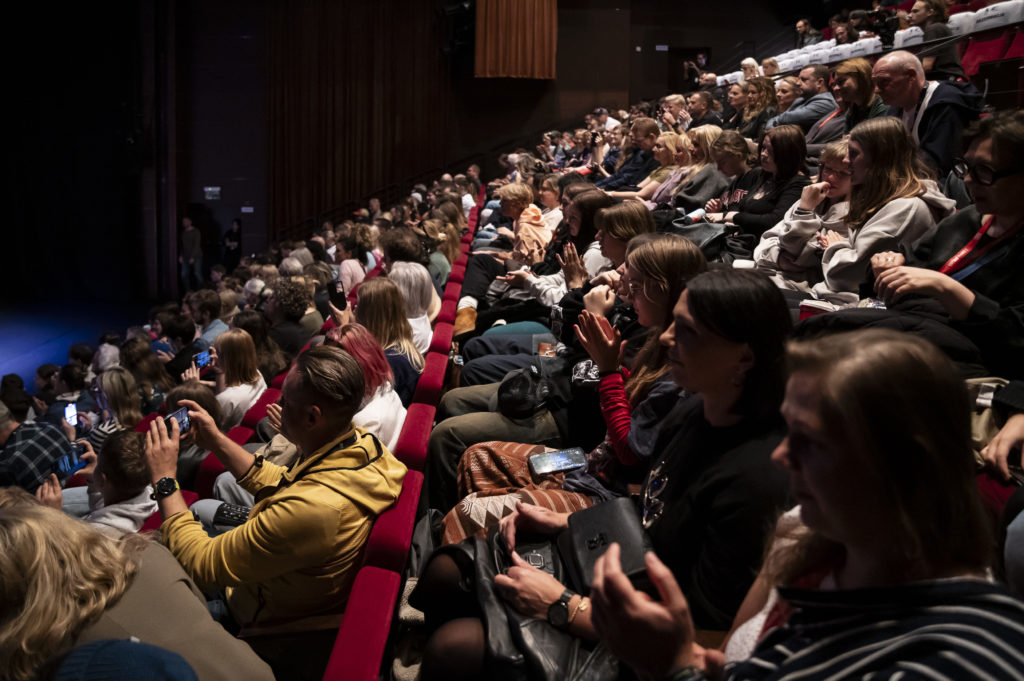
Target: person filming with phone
287 570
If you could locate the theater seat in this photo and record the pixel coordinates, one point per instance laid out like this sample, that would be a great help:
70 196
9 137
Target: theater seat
998 15
980 51
259 410
1016 47
441 341
458 273
211 466
411 448
961 24
279 380
431 382
154 521
359 648
452 291
388 545
447 313
907 37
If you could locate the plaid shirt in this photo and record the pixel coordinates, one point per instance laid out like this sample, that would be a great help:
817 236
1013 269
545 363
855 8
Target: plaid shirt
29 454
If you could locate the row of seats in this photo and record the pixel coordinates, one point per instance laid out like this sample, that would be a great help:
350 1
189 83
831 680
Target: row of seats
363 636
1000 16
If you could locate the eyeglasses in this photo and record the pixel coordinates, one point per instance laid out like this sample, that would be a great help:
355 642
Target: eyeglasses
835 171
653 506
982 173
636 287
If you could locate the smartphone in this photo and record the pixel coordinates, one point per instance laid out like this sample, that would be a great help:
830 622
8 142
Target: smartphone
558 461
336 292
593 138
70 463
202 358
71 413
181 416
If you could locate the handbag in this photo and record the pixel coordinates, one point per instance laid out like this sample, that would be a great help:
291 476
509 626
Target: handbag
592 530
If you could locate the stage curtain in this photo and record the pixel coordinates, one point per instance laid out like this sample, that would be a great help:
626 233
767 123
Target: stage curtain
516 38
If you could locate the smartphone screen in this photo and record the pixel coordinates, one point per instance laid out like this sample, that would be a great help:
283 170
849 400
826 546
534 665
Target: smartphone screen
70 463
181 416
558 461
202 358
71 413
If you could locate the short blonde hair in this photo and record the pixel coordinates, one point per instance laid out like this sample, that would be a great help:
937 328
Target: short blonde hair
57 576
519 194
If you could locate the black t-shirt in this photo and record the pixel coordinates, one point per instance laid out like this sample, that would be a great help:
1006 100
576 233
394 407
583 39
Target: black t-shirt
290 337
721 497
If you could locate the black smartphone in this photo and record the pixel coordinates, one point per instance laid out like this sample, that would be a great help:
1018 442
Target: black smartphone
336 292
70 463
202 358
71 413
181 416
558 461
593 138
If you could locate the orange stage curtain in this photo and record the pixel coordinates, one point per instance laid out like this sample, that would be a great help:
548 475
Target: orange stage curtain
516 38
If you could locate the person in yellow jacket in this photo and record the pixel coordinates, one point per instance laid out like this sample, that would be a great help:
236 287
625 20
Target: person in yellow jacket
288 569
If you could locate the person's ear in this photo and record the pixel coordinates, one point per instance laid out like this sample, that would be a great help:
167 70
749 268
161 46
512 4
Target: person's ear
746 358
314 416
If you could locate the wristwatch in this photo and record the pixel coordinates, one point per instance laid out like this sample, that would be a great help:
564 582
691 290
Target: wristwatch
163 488
558 612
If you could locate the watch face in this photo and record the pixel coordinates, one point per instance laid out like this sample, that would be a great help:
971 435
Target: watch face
558 614
166 487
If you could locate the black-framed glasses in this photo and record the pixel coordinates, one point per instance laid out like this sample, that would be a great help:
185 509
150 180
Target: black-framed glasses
982 173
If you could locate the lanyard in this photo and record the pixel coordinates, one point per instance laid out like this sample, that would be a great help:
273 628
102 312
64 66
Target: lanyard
969 253
828 118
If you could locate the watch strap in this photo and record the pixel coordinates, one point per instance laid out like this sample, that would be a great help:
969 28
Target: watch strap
164 487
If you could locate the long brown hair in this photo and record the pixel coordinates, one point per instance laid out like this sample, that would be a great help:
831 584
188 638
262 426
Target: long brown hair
381 310
918 450
237 353
897 171
122 394
667 262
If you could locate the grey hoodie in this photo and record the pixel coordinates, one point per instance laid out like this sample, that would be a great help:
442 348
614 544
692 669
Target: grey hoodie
122 518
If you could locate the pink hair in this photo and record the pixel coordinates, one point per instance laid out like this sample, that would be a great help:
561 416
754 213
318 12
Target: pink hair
356 340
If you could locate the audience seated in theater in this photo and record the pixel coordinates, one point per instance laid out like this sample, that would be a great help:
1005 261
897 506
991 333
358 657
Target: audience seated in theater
190 454
443 240
790 251
830 128
876 564
770 66
291 565
70 387
611 151
708 502
66 584
634 402
816 102
28 451
318 275
787 93
981 288
892 204
640 163
934 112
604 120
381 411
665 149
352 268
381 310
284 310
806 34
675 116
118 404
204 305
737 98
759 198
697 180
137 357
846 34
549 198
942 61
117 495
860 102
750 68
704 109
237 381
760 107
488 357
417 289
269 357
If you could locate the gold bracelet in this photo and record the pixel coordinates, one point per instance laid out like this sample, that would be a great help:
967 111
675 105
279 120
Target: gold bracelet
580 607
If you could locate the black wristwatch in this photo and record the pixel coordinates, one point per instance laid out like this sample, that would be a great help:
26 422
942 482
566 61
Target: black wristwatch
163 488
558 612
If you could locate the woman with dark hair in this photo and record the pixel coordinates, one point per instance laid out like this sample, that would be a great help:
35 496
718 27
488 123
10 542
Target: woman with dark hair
709 500
352 254
758 200
269 357
880 579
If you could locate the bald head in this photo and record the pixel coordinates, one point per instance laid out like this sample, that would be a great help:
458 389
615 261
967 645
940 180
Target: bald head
899 79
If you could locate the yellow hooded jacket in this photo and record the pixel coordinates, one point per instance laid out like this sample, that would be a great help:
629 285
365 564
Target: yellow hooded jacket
290 566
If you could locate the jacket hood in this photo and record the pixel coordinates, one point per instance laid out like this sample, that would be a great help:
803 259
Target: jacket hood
938 203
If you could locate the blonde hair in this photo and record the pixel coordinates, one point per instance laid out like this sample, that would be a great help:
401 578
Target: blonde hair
57 576
238 359
381 310
122 393
701 139
518 194
445 237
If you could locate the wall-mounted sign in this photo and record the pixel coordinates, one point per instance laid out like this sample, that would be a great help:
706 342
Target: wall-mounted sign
211 193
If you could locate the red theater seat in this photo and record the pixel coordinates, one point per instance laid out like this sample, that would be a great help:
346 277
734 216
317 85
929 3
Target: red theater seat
259 410
411 448
441 341
980 51
431 383
447 313
359 648
143 425
388 545
154 521
452 291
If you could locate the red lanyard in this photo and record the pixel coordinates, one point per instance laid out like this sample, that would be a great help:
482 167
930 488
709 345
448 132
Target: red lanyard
830 117
968 253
